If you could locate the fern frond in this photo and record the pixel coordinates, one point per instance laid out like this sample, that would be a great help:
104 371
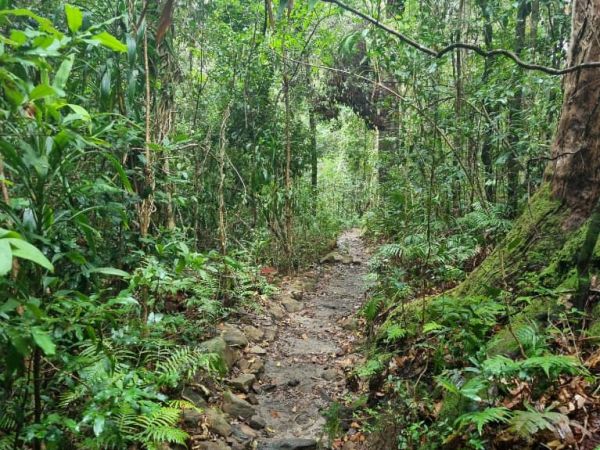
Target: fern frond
482 418
500 366
471 388
530 422
395 332
162 434
554 365
161 426
7 442
7 421
372 307
184 362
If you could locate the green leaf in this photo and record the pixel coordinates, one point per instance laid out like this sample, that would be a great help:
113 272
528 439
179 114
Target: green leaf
63 72
41 91
24 250
131 49
45 24
109 41
120 170
9 305
43 341
74 18
5 257
110 271
80 112
99 425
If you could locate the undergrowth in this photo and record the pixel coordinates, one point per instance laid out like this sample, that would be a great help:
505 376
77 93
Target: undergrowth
474 372
504 367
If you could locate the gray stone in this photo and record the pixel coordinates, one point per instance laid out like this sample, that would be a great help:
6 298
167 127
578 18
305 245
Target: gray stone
270 334
237 407
191 416
234 336
219 346
217 422
244 433
290 444
193 397
253 333
329 374
276 311
243 382
257 350
210 445
336 257
350 324
254 365
167 446
290 304
252 399
257 422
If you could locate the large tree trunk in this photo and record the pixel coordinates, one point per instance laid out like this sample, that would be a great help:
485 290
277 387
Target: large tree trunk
487 145
547 238
575 167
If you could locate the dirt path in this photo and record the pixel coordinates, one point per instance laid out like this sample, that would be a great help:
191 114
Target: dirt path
304 366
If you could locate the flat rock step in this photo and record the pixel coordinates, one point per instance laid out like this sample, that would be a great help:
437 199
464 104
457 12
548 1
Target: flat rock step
289 444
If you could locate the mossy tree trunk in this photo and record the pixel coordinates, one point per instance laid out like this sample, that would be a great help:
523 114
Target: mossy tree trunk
574 171
549 236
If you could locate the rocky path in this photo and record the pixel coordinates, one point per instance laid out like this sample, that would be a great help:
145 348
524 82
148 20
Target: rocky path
288 364
306 364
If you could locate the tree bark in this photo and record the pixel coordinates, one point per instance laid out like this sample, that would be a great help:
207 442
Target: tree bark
288 244
221 190
314 157
516 111
574 170
487 144
147 206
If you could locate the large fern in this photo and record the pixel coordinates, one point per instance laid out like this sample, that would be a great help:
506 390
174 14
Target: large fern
529 422
159 426
551 365
182 363
7 442
485 417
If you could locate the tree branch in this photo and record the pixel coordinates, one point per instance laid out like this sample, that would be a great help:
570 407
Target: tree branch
462 45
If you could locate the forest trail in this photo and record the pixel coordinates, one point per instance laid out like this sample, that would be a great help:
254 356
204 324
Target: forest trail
305 366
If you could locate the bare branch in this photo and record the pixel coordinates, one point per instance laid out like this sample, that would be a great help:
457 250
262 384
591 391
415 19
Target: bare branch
462 45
